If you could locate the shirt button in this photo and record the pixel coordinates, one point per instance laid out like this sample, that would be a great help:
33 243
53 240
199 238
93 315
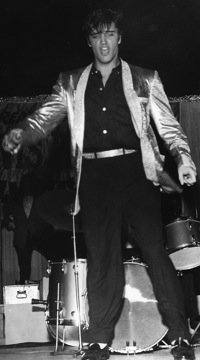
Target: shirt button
104 109
101 89
105 131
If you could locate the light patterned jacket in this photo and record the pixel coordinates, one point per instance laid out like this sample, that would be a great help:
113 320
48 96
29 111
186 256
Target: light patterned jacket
146 100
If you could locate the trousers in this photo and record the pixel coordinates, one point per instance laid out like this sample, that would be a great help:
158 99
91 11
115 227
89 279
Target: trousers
113 190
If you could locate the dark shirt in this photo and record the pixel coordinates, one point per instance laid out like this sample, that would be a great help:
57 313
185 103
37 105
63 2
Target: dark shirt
108 123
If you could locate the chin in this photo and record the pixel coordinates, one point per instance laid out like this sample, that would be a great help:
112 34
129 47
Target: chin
106 60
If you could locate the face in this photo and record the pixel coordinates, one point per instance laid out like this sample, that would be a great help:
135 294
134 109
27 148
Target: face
104 44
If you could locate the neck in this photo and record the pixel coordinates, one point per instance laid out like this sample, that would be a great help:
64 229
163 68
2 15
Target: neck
106 69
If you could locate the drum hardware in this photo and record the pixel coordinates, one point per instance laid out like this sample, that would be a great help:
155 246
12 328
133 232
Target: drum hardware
37 302
131 349
179 273
163 344
135 259
195 330
49 266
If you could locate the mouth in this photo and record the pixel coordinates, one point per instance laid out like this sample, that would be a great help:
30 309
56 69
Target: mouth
104 51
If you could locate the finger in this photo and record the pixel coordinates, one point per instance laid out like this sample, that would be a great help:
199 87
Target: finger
189 180
181 179
15 150
5 143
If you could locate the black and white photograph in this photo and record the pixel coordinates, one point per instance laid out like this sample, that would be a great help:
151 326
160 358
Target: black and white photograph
100 179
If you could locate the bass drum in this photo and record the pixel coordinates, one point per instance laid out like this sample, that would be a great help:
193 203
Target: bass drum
183 243
62 293
139 327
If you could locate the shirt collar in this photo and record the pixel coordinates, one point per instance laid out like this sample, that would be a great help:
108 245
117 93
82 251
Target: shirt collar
117 70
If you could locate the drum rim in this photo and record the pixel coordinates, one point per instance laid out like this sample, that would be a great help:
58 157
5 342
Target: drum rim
135 261
182 220
66 261
137 351
181 247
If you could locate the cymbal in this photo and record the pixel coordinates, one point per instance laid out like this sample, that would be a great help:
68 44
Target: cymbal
54 207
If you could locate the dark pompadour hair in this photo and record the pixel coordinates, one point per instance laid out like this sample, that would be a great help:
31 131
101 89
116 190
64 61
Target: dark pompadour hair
98 19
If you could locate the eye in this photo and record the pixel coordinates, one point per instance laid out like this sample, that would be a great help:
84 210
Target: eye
95 35
110 33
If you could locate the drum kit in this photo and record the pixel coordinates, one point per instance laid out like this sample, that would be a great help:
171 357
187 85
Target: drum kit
139 327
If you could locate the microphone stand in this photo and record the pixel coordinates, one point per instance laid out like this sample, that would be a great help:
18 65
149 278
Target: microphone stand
76 276
76 279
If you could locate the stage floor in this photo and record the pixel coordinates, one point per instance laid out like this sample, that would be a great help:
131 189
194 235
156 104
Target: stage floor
47 352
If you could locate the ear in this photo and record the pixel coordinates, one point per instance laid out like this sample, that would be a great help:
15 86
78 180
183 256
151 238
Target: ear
120 40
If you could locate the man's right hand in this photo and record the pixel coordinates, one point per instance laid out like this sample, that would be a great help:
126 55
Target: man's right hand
12 141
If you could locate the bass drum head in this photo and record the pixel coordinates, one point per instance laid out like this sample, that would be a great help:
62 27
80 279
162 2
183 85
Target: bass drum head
140 322
186 259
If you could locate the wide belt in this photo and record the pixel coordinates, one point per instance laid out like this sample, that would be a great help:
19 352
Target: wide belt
108 153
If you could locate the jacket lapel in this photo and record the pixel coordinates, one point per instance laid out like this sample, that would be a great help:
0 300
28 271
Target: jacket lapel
142 127
132 98
79 107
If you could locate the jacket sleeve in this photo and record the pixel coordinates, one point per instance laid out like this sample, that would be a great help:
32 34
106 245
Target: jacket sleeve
168 127
44 120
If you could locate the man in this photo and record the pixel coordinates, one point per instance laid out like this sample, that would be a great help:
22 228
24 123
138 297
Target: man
118 167
30 231
19 208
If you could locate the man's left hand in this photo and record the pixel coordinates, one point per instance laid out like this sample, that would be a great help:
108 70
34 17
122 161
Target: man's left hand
187 175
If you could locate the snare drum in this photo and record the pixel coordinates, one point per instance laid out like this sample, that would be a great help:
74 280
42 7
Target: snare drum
183 243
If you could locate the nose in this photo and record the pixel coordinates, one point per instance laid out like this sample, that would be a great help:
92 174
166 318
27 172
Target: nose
103 38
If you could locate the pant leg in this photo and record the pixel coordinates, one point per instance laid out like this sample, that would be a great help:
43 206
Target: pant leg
196 274
145 219
24 256
101 222
186 279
